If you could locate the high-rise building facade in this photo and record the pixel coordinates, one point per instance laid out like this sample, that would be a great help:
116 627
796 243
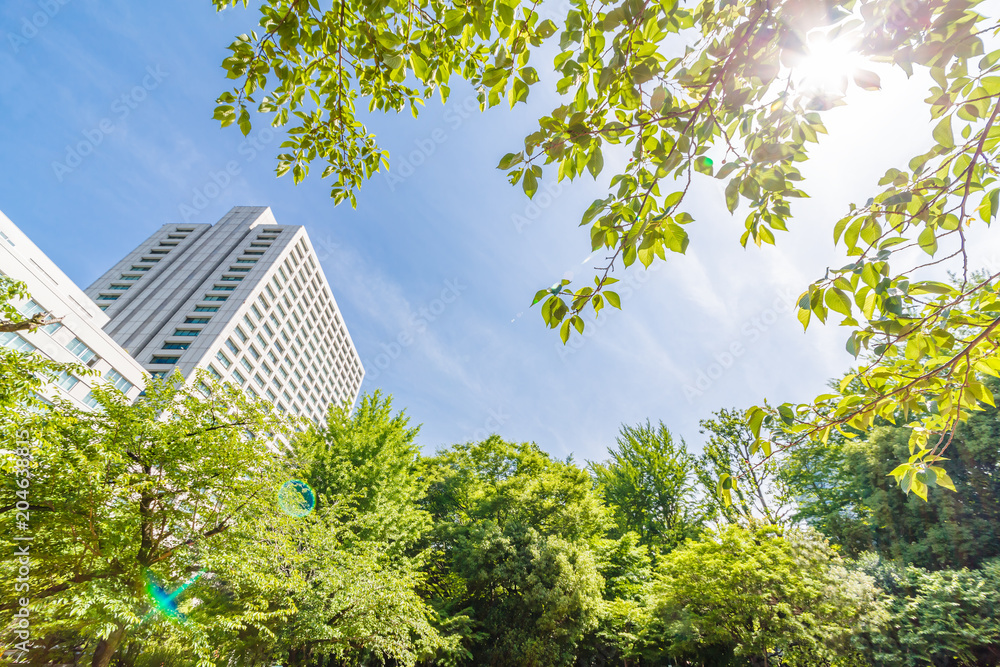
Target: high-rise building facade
78 337
245 299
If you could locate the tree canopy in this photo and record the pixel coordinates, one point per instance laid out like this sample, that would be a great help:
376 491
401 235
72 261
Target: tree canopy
710 89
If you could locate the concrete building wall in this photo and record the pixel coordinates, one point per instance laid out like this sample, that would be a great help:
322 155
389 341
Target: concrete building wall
79 337
246 299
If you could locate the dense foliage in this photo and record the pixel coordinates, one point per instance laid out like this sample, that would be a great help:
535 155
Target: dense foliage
157 538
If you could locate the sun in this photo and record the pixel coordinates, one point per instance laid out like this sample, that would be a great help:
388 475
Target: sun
828 63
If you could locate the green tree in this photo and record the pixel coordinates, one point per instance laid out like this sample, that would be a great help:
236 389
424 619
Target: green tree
511 551
846 491
736 105
169 486
945 619
22 375
366 460
761 494
757 597
182 489
649 483
365 470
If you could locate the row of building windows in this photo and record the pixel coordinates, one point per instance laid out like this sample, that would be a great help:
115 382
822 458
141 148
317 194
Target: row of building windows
145 265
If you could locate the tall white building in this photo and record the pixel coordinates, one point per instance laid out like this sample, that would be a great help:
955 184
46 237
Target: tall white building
246 299
78 338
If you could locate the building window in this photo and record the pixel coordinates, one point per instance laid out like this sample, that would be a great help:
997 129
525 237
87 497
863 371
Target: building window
240 380
248 322
150 259
260 245
156 375
259 380
176 236
269 291
120 287
196 320
206 309
242 336
119 382
253 252
269 331
223 288
256 312
214 373
232 279
263 343
91 401
216 298
270 396
254 352
30 308
157 251
128 277
247 365
65 381
246 261
80 350
176 346
108 297
223 359
240 269
186 332
184 229
232 346
140 268
164 360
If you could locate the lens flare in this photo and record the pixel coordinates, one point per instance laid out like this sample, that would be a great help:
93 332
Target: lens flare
824 70
163 602
296 498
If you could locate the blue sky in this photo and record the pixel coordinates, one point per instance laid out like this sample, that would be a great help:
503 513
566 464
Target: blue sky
704 331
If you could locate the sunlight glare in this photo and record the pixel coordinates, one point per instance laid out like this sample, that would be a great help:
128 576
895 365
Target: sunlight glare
828 63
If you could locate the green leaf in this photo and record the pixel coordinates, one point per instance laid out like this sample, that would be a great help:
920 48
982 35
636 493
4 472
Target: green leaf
837 300
596 163
529 183
510 159
733 195
703 165
928 241
942 133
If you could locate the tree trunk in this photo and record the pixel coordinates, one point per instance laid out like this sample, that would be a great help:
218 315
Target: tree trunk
106 648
